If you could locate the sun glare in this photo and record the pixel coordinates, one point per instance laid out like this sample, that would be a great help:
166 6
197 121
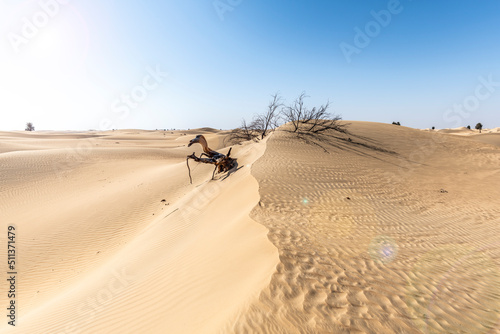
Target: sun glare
48 45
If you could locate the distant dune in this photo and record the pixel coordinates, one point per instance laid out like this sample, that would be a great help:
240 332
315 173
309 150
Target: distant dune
385 229
464 131
488 138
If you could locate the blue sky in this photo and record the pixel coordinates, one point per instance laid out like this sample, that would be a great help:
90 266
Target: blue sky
184 64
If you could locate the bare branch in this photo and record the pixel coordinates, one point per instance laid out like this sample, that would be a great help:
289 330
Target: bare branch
223 163
296 112
313 121
269 121
244 132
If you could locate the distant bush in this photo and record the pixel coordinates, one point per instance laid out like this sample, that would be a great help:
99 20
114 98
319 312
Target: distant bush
396 123
479 127
433 128
29 127
468 127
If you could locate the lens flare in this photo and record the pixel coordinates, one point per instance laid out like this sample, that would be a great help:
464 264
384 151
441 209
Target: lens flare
454 272
383 249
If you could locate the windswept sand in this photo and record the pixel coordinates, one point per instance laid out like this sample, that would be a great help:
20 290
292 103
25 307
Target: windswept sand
395 231
99 252
386 229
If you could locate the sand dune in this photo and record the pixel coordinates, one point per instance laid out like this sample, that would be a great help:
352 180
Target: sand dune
463 131
395 231
386 229
458 131
488 138
102 253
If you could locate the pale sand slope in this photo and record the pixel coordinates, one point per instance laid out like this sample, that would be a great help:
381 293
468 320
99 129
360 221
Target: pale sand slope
488 136
98 250
397 231
463 131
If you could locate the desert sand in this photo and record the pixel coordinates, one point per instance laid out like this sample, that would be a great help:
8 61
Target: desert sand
386 229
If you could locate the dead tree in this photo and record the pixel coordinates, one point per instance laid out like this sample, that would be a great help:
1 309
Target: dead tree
223 163
269 121
243 133
295 112
261 125
319 120
311 121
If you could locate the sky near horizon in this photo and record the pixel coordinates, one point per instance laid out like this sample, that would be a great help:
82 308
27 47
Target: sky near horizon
80 65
